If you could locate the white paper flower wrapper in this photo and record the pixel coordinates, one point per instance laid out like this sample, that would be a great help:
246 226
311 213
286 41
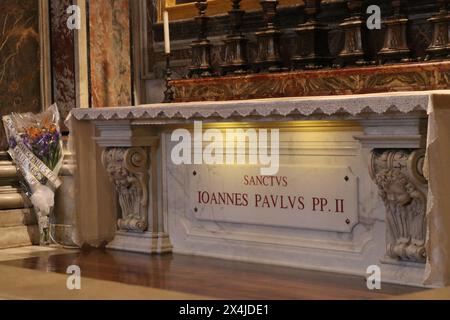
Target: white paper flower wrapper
43 199
35 145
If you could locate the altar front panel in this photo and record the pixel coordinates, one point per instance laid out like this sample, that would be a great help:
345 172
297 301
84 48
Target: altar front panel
273 235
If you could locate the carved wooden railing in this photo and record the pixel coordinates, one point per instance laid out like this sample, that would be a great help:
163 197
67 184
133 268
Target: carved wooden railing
342 55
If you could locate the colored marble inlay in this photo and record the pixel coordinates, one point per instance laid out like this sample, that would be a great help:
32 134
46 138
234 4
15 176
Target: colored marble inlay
110 53
392 78
63 57
19 59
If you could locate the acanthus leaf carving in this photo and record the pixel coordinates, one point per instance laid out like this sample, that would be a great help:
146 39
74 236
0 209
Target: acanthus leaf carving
128 170
402 187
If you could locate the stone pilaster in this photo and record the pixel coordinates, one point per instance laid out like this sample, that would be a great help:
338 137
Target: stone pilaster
130 158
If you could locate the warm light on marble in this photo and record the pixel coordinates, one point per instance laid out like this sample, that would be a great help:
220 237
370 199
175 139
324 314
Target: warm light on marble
110 52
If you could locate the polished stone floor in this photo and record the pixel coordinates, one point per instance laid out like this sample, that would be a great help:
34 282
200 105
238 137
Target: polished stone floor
31 251
190 275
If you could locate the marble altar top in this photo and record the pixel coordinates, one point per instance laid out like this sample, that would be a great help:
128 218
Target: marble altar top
316 107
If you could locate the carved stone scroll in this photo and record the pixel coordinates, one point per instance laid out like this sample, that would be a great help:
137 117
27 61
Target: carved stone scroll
128 170
402 187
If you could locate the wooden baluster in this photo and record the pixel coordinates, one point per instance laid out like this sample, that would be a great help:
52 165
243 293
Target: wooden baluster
201 48
395 48
440 45
354 27
312 43
268 40
236 56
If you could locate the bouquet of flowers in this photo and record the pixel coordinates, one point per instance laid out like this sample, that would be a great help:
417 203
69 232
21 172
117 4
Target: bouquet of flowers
35 145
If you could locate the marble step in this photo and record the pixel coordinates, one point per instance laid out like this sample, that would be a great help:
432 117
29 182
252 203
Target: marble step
8 173
18 236
7 170
17 217
11 198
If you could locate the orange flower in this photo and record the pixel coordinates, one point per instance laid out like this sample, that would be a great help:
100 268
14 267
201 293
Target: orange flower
33 132
46 123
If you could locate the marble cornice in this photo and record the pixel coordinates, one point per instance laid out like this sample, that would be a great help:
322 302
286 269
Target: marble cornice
352 106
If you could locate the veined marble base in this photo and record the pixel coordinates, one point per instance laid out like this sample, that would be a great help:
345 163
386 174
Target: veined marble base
147 242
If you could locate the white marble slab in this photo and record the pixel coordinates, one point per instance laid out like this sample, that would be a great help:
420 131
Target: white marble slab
338 106
308 197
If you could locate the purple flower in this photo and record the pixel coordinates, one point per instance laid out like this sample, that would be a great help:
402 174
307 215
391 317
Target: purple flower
55 136
26 141
12 142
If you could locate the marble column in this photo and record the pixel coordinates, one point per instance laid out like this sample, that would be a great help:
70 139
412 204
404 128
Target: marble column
63 68
110 53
